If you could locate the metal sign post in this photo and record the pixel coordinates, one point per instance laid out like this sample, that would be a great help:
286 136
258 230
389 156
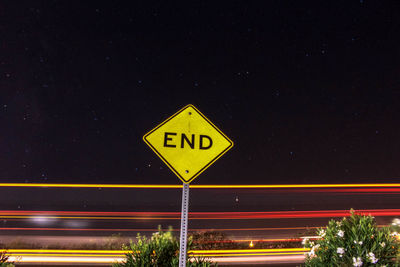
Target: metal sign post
188 143
184 225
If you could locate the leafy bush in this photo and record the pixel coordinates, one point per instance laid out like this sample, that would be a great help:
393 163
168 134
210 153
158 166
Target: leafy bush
161 250
353 241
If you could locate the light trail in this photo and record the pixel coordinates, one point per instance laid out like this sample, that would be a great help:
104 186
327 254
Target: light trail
81 251
90 218
158 186
151 230
68 255
238 251
351 190
221 256
256 260
123 252
89 213
110 256
109 260
249 254
12 214
65 259
255 240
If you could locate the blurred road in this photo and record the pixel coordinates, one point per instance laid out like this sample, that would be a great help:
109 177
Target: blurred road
68 216
107 257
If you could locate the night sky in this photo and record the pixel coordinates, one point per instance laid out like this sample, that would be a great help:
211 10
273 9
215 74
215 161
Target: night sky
309 91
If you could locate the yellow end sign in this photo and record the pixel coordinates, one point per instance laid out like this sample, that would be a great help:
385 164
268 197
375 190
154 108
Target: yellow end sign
188 143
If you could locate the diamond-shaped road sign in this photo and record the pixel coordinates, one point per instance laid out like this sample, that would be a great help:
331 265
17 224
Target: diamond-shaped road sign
188 143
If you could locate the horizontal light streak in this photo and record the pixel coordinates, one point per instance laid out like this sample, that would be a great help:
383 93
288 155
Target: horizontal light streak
266 250
197 255
12 214
110 256
259 259
121 253
160 186
104 260
95 217
89 185
249 254
39 213
67 255
65 259
66 251
98 258
253 240
151 230
77 229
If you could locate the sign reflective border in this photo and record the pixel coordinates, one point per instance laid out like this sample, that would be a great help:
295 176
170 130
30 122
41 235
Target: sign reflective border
188 143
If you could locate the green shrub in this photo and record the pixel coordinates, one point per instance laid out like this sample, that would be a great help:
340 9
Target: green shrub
161 250
353 241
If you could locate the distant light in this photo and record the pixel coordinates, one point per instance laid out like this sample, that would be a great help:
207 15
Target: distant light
40 219
251 244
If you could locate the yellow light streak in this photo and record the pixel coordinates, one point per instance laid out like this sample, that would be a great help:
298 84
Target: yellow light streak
65 259
67 255
249 250
249 254
89 185
296 186
122 255
109 256
65 251
83 251
158 186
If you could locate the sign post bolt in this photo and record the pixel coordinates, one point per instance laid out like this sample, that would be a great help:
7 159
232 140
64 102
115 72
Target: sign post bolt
184 225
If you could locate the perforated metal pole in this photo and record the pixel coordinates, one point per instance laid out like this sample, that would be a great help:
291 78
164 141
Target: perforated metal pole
184 225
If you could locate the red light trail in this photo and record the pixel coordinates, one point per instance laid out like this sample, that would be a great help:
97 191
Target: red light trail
18 214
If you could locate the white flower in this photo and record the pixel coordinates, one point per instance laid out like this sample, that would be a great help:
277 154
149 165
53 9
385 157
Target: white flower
394 234
382 244
371 257
360 243
313 249
304 241
322 233
311 254
357 262
340 233
340 250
